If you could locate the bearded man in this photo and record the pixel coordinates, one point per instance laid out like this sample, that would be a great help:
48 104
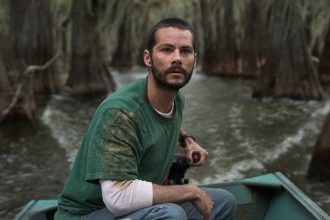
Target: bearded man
130 144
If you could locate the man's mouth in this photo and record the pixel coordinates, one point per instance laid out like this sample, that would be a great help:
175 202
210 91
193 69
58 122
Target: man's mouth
175 70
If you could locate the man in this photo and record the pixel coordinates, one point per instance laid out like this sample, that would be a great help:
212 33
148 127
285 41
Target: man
130 143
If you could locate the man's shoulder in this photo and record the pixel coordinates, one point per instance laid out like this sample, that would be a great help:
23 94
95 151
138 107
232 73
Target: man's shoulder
128 96
136 86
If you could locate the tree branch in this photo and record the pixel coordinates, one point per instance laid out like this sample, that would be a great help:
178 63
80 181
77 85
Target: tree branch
29 70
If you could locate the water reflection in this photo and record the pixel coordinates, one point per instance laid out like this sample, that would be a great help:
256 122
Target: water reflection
245 137
31 165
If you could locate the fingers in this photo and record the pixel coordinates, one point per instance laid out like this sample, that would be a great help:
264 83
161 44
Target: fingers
209 208
192 147
202 156
205 155
205 205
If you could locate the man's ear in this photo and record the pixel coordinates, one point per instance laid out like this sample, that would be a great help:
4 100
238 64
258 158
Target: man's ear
147 58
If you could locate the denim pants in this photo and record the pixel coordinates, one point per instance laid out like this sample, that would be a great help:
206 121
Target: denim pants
223 209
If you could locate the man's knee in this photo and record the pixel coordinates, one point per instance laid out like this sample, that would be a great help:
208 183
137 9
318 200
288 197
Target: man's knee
225 203
173 211
221 196
228 198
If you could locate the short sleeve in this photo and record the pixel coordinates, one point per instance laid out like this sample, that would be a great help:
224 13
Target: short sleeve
114 150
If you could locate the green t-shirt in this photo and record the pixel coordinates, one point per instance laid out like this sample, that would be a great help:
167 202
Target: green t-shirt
126 140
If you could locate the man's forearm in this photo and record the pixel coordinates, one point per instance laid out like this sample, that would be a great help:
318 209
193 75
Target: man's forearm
183 193
174 193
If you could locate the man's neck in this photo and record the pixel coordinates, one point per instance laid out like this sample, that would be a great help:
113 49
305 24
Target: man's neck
160 98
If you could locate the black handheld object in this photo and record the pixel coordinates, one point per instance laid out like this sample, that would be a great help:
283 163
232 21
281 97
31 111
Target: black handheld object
179 168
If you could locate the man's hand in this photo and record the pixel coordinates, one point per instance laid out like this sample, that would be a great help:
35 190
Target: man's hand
204 204
192 146
169 194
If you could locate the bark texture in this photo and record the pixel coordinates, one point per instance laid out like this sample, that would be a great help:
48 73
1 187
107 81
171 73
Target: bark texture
220 50
324 64
5 87
254 45
89 74
129 47
31 41
319 167
289 71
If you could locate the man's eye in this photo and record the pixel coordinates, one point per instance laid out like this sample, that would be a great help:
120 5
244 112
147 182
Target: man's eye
186 51
166 50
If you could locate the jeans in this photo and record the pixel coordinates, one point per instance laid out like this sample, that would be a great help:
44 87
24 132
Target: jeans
223 209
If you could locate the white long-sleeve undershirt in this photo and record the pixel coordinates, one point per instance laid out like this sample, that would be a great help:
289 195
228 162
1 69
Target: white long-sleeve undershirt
123 197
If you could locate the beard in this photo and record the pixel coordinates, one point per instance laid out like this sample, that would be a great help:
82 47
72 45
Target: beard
160 77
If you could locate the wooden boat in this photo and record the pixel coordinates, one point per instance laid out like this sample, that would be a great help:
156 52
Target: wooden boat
267 197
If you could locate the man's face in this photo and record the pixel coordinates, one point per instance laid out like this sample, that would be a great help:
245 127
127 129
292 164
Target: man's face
173 58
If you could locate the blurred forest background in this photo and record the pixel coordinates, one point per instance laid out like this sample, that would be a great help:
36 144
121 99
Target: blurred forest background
68 47
284 44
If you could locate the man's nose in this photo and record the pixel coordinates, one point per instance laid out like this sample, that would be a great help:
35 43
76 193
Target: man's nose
176 59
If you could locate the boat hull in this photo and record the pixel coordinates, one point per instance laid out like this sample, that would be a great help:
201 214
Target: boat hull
266 197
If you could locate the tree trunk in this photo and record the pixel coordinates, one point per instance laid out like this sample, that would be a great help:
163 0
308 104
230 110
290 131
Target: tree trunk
89 74
19 104
25 107
254 42
130 22
22 104
289 70
319 167
5 88
124 54
220 50
31 41
324 64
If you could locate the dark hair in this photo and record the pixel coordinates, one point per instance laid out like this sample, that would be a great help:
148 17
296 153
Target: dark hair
168 22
